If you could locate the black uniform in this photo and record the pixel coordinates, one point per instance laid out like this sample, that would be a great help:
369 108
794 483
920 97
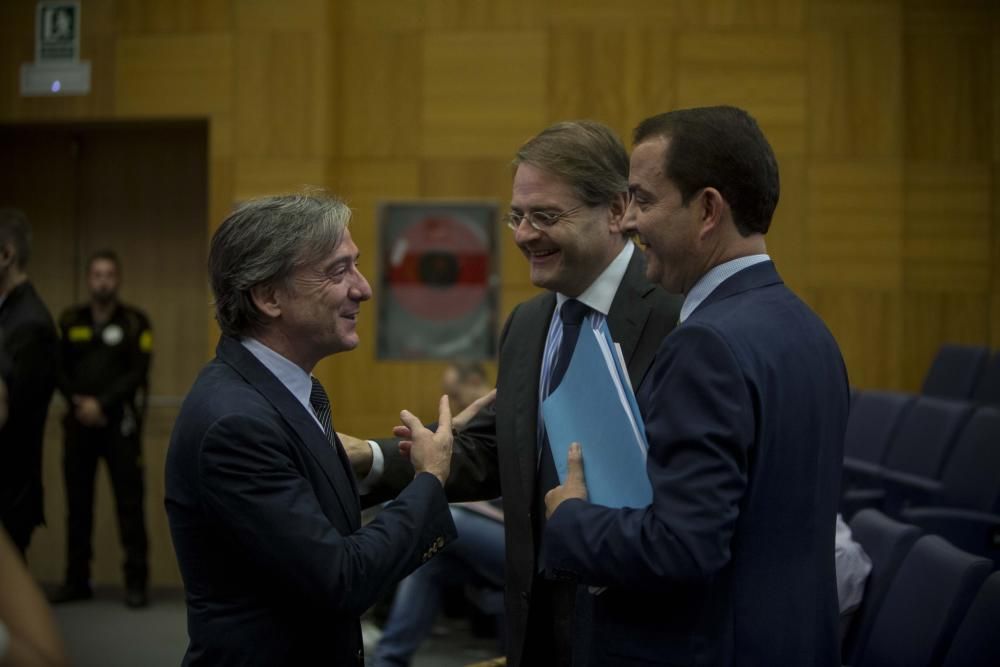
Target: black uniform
109 361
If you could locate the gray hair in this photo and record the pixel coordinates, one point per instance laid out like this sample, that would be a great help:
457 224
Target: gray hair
16 230
588 154
261 243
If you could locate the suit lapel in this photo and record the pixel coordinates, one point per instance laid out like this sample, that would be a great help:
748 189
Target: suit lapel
629 312
309 433
526 377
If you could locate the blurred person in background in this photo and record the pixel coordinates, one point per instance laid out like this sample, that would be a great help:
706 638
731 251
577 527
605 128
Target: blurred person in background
29 342
104 375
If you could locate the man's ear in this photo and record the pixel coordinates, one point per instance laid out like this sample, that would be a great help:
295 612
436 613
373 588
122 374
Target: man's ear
711 211
617 207
6 254
267 300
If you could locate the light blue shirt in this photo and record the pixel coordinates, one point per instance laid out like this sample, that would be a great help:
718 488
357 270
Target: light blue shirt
715 277
598 297
299 384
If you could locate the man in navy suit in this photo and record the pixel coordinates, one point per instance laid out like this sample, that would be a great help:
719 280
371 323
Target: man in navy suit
733 562
263 505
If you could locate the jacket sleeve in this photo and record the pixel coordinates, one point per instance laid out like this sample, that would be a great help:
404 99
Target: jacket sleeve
700 425
250 485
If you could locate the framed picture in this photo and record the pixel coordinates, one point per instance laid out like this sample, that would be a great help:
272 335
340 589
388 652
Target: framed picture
438 278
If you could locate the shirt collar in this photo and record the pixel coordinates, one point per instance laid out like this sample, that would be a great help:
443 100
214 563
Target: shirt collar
296 380
602 291
715 277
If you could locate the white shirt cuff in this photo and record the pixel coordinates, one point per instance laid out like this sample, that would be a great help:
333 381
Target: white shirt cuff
375 474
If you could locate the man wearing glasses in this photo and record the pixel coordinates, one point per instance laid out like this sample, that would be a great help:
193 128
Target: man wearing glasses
570 194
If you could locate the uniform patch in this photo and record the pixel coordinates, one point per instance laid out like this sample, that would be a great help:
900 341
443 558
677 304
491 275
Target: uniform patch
146 341
80 334
112 334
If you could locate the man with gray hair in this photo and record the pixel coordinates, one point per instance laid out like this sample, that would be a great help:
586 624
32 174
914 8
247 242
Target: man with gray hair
263 506
28 339
567 209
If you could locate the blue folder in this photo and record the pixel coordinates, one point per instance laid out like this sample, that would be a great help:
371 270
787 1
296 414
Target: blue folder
589 409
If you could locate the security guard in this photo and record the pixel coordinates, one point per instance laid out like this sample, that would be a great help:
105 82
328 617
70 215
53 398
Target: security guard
104 367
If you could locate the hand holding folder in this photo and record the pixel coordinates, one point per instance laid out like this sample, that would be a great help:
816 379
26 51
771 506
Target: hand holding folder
594 405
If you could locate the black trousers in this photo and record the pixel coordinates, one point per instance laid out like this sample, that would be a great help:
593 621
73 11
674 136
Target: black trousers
84 446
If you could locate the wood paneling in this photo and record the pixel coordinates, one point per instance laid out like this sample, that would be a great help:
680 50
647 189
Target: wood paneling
947 227
855 93
764 73
175 75
484 92
855 225
141 17
379 92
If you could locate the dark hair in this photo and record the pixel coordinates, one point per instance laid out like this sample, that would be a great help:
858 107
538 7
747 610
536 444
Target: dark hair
107 255
720 147
15 229
261 243
588 154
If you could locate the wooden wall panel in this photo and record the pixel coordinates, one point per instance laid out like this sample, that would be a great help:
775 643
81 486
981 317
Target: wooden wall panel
947 82
625 13
867 325
490 112
855 225
142 17
931 318
763 73
485 14
854 15
384 15
763 14
947 227
378 96
586 66
261 176
176 75
855 93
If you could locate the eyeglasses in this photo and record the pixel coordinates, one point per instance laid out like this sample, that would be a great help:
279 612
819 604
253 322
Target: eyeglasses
540 220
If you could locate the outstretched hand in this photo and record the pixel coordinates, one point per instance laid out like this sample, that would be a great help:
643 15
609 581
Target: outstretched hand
574 487
459 421
429 451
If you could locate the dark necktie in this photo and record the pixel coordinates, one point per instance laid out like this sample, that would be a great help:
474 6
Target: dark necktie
572 315
320 402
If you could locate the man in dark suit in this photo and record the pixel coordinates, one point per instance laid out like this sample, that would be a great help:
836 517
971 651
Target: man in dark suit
263 506
29 340
567 209
745 411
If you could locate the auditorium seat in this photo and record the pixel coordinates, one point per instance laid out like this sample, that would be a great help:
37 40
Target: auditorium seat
976 643
955 371
887 542
925 603
987 390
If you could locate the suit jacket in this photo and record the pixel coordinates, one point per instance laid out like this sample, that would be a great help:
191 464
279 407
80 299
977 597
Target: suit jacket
29 340
266 523
733 563
498 450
